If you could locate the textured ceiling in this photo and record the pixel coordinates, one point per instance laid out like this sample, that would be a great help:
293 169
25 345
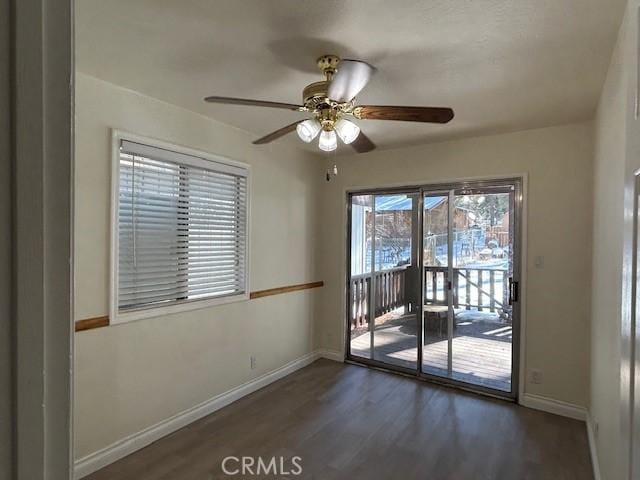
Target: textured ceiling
501 65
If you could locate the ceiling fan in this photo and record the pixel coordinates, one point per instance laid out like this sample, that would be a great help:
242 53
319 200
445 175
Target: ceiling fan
332 100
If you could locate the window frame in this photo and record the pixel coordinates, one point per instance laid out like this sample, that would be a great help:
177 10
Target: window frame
201 161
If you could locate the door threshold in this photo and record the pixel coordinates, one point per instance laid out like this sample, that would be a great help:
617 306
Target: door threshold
442 382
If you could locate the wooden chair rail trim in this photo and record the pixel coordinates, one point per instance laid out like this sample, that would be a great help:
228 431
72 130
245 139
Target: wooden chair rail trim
91 323
287 289
98 322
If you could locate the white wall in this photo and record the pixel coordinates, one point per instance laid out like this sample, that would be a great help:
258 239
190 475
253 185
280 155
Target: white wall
131 376
617 158
558 161
630 363
609 170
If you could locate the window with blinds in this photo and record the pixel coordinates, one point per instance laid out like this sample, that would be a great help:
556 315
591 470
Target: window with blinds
181 228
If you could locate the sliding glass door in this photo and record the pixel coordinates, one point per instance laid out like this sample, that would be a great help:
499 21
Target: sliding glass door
383 309
442 261
436 358
469 257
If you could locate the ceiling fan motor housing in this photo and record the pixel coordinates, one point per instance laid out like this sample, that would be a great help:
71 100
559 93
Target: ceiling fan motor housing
315 94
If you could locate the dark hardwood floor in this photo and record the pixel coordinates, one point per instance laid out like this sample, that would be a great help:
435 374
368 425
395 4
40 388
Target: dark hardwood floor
350 422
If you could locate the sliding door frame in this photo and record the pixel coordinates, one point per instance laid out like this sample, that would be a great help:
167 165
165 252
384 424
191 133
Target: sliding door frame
371 309
450 188
511 185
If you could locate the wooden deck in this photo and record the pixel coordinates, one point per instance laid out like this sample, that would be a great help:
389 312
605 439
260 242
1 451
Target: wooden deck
481 350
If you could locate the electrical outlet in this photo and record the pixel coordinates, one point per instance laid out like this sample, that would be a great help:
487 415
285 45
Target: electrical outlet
535 376
254 362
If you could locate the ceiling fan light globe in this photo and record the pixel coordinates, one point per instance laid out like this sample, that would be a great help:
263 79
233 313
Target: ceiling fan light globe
328 141
347 131
308 130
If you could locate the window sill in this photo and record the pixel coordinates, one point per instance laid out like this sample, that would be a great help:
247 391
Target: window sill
151 312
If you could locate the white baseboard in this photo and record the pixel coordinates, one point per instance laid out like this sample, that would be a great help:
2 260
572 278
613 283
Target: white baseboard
567 410
593 448
556 407
329 354
120 449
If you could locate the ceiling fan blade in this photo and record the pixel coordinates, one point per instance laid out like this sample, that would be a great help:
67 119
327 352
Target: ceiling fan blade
277 134
407 114
351 78
253 103
362 143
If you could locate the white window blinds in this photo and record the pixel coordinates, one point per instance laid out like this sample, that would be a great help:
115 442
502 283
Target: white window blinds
182 228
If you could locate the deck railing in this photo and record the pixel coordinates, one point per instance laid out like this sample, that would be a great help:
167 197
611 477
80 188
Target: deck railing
478 288
390 294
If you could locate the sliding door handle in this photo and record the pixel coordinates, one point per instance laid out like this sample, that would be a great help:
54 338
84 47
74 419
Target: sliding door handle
513 291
